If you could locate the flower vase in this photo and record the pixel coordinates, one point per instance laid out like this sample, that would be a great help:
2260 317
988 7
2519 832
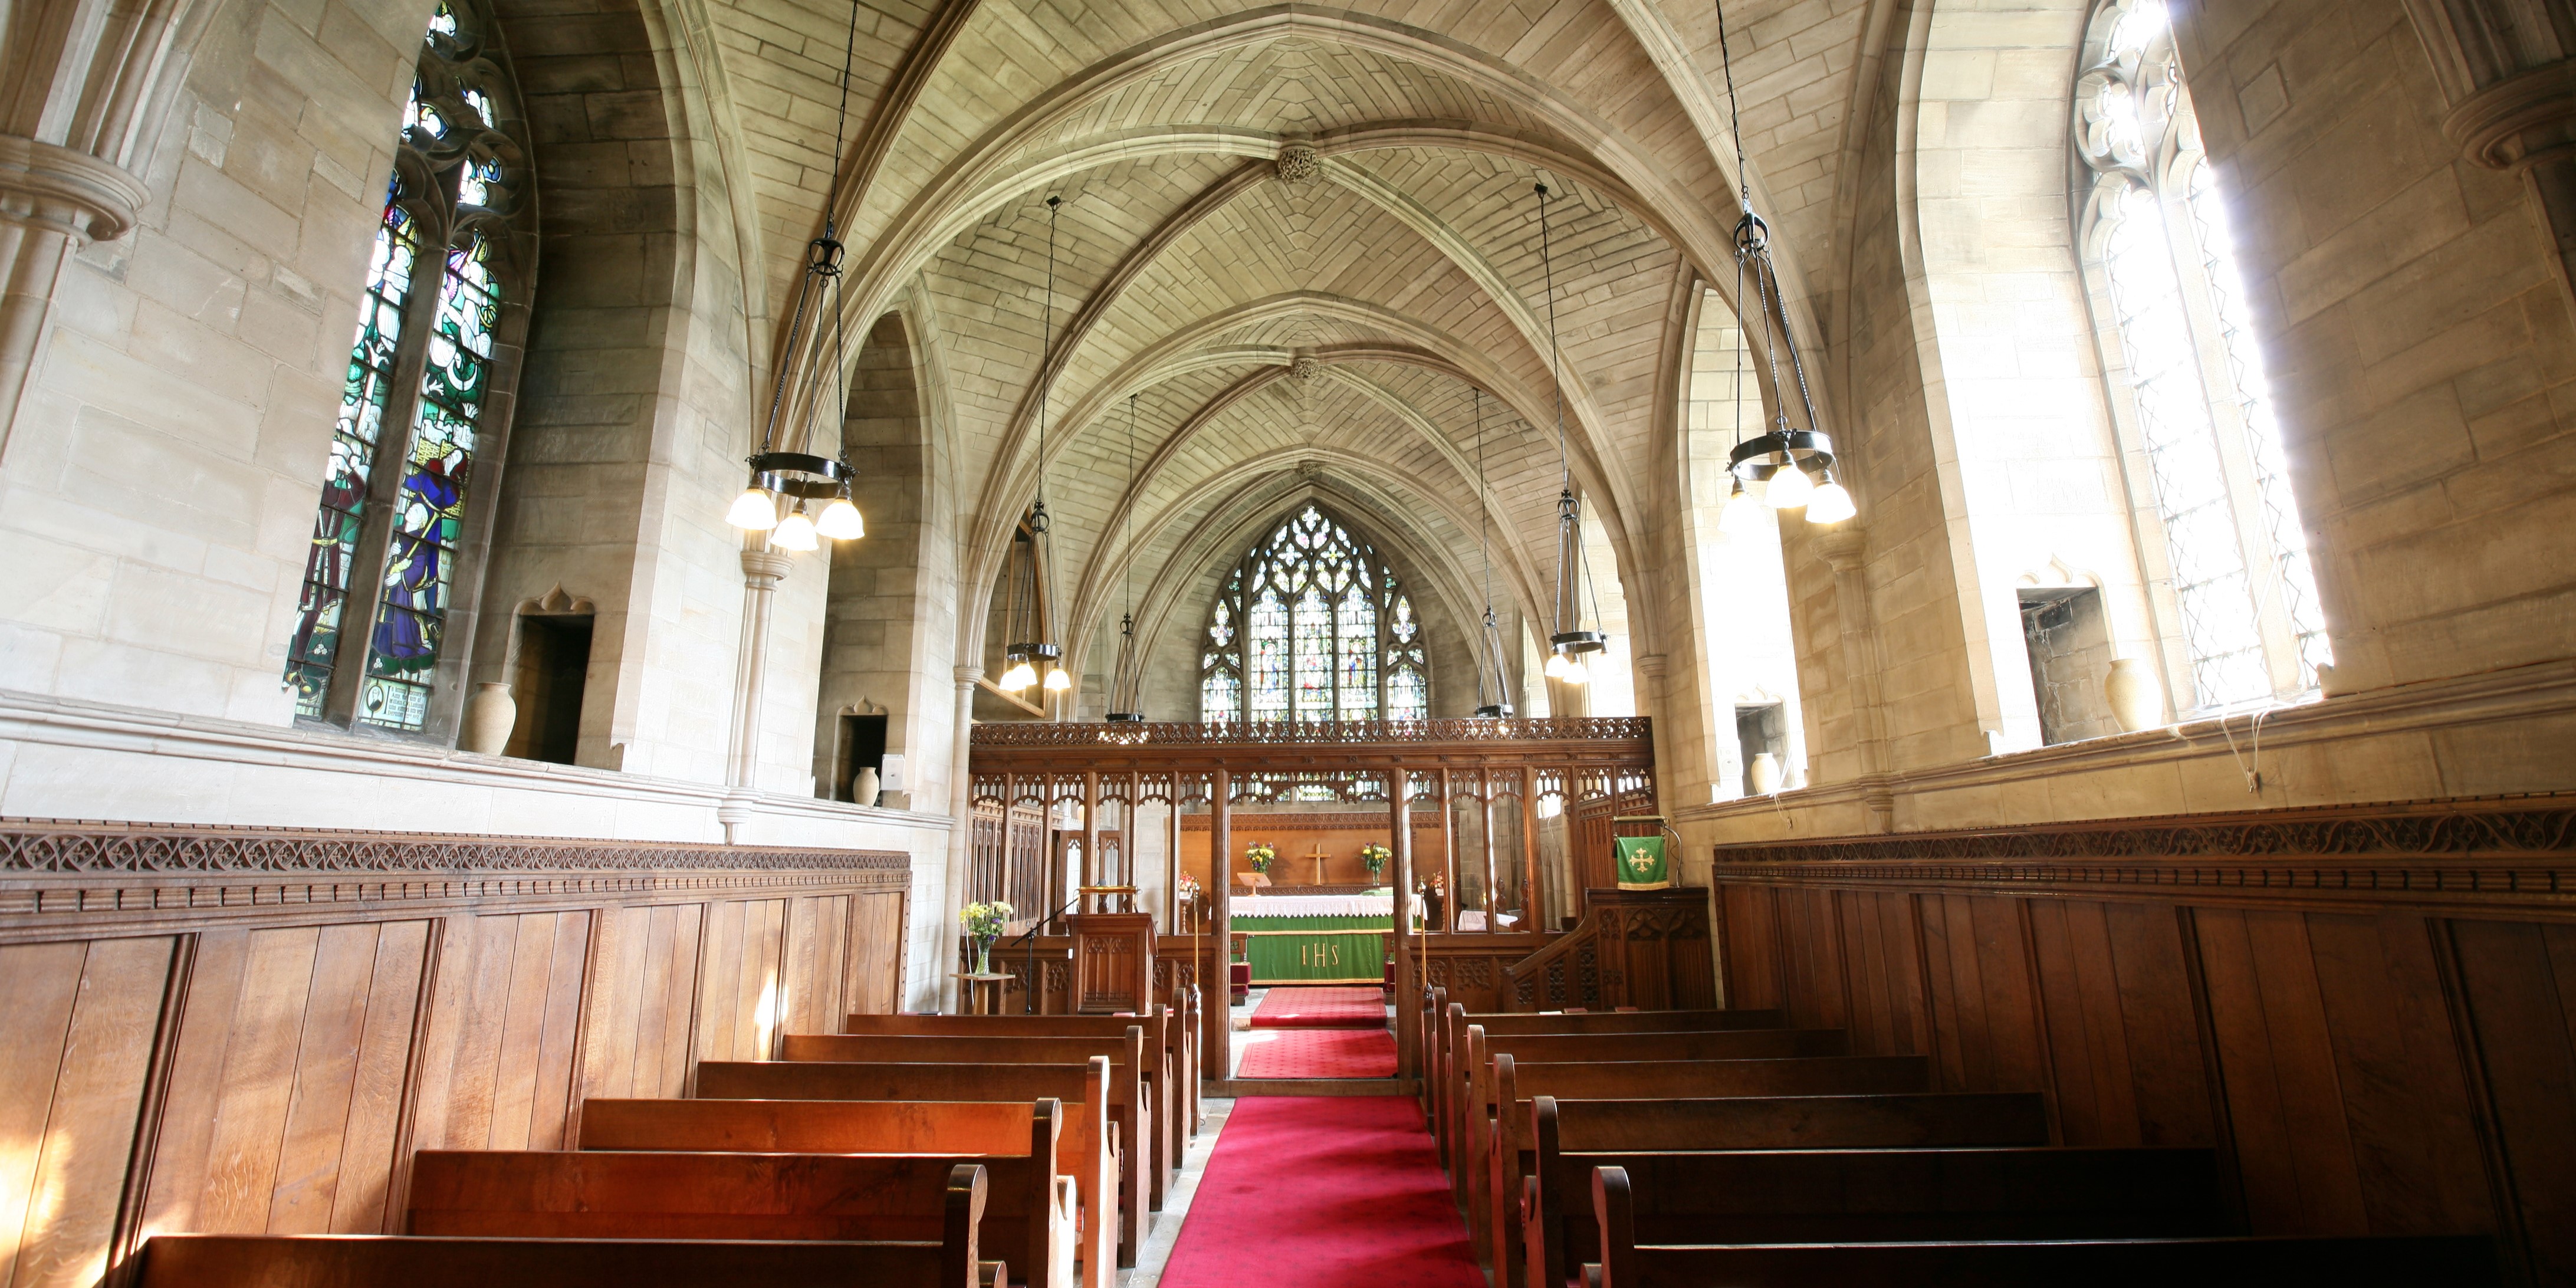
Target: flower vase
983 955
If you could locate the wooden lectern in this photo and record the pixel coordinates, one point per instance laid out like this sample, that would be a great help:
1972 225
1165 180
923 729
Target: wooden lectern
1113 953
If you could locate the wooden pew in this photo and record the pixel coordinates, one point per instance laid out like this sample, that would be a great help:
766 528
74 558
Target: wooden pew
1032 1221
1923 1195
2394 1262
1571 1137
1131 1101
1446 1064
1099 1160
1498 1116
1169 1061
406 1261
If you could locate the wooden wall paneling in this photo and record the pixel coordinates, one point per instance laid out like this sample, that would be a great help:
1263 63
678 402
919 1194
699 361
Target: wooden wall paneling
2016 1054
876 955
186 1145
371 1144
2159 1022
1957 1005
738 1009
324 1079
2283 1101
34 1028
2517 982
666 1021
70 1128
258 1078
2095 1101
614 1028
2415 1150
720 981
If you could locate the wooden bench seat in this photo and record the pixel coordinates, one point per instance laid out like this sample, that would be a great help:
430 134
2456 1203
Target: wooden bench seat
1131 1097
1445 1038
1920 1195
2395 1262
1571 1137
409 1261
1499 1155
1032 1208
1101 1161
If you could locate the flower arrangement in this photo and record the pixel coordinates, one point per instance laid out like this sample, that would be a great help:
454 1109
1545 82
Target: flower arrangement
984 922
1375 858
1189 888
1260 856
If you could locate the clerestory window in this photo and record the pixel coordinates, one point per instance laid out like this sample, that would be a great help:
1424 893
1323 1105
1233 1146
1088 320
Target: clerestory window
444 297
1312 625
2178 341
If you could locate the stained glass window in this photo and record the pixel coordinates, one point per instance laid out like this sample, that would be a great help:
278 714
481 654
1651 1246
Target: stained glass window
1312 625
2157 230
385 550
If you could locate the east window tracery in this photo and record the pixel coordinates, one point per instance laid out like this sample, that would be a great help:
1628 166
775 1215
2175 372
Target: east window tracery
2157 245
1313 625
447 278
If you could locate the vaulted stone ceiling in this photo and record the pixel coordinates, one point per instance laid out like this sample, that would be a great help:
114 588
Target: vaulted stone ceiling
1193 270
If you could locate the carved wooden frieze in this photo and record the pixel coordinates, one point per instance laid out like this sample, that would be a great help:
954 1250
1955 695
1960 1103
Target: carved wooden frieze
31 846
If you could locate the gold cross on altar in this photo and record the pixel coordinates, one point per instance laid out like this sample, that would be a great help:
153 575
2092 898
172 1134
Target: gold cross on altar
1318 857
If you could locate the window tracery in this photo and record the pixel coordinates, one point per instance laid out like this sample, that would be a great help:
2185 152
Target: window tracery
447 277
1312 625
2154 225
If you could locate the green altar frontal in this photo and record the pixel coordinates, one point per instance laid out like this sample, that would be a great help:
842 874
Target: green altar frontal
1315 950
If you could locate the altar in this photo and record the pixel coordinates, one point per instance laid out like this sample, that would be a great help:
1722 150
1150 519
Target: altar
1316 938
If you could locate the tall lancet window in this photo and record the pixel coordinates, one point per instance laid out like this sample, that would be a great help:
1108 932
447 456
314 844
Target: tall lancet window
396 537
2171 305
1312 625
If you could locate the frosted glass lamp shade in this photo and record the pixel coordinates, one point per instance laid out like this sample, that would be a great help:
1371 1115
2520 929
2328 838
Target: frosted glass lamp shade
753 511
795 532
1789 489
1057 680
1576 672
1020 676
841 521
1743 516
1830 504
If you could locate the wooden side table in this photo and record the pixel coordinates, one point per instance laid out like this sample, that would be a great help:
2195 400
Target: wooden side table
979 994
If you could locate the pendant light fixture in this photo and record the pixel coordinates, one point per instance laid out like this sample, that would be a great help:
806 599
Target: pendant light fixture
1123 706
808 479
1490 651
1037 645
1794 466
1570 644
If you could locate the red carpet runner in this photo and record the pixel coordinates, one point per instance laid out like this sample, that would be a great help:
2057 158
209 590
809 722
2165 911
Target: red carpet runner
1317 1053
1321 1008
1323 1192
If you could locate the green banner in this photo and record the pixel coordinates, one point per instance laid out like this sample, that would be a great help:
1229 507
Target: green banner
1317 957
1641 863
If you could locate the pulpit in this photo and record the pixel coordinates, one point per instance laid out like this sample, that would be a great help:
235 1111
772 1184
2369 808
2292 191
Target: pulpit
1113 952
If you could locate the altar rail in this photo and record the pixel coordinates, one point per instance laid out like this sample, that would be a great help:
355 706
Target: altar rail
2369 1011
251 1030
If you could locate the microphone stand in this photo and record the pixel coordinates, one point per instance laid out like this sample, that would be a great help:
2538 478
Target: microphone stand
1029 995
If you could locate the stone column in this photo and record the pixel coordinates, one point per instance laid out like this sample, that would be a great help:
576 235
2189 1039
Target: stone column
53 198
1845 546
1399 813
2508 69
1217 1042
961 834
762 570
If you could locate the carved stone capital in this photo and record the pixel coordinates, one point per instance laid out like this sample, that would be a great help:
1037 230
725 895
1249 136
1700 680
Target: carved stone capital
968 675
1844 546
764 569
48 186
2519 121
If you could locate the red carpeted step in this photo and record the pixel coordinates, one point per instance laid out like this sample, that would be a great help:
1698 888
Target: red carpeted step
1323 1192
1321 1008
1317 1053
